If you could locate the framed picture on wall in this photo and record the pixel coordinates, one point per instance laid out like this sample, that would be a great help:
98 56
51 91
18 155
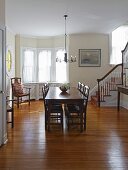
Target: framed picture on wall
89 57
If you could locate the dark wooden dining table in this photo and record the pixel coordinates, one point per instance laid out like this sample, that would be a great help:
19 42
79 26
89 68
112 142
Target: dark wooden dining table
72 96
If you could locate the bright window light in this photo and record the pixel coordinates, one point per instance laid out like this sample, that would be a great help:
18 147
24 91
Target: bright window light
119 40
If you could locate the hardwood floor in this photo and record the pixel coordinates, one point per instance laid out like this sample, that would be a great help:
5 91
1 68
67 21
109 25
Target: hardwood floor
103 146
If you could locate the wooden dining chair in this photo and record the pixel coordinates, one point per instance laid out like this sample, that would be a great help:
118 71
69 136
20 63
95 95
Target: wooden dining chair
55 115
73 113
19 91
73 107
45 89
80 86
86 96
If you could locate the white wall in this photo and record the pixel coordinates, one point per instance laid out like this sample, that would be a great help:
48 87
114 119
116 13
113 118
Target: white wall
17 56
3 129
76 42
2 12
10 45
35 42
88 75
41 42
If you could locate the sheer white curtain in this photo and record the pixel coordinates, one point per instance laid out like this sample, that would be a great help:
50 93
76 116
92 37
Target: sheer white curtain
61 68
39 65
119 40
44 63
28 69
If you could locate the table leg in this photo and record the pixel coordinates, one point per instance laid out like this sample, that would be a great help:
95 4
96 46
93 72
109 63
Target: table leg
118 101
81 117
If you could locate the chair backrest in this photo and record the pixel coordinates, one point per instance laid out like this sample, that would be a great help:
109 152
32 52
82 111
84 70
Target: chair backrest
15 80
45 89
16 86
79 86
86 91
86 95
82 88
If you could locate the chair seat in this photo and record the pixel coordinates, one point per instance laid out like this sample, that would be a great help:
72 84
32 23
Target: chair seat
74 117
56 108
73 108
55 117
21 95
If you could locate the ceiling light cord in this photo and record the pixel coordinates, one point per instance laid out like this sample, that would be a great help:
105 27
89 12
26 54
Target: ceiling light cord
65 37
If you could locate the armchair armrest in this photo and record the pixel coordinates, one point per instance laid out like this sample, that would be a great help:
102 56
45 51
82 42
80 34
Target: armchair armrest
27 88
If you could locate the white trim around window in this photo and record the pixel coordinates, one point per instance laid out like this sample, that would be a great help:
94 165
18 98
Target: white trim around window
32 70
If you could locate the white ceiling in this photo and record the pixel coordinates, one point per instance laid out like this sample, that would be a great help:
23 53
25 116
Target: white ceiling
45 17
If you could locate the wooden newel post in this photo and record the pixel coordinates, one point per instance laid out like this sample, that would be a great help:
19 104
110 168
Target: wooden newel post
98 93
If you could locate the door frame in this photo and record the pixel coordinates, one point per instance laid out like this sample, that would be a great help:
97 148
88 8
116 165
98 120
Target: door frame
3 126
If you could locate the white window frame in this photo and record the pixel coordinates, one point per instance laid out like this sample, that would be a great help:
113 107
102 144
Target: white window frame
67 66
38 51
121 38
21 61
53 63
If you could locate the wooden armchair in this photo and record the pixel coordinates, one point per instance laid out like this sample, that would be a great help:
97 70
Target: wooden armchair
18 91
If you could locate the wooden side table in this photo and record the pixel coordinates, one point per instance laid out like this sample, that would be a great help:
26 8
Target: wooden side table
121 89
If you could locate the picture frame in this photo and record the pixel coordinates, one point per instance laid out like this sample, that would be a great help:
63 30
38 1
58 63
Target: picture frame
89 57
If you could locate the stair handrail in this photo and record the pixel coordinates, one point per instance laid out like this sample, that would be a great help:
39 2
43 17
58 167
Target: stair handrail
99 80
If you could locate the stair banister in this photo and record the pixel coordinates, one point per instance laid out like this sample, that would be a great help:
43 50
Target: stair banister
106 75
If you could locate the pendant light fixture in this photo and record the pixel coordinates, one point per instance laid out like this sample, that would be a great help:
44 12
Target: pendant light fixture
72 59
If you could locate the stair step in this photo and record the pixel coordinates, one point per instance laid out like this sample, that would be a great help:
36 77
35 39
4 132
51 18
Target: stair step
94 100
108 85
94 97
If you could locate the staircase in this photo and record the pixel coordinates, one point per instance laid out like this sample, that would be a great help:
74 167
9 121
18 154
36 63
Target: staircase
106 88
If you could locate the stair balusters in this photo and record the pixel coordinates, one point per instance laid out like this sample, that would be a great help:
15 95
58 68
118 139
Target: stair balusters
109 83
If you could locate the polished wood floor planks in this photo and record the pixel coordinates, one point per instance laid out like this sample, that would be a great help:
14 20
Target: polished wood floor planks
103 146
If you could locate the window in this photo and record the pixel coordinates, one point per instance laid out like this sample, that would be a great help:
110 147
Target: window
61 67
119 40
39 65
44 58
28 66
